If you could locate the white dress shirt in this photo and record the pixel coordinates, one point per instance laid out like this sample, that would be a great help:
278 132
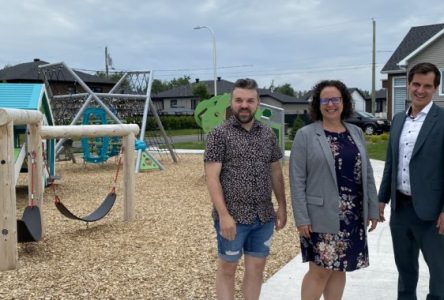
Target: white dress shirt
407 141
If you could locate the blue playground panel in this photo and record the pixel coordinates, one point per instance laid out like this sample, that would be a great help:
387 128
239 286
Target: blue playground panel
95 150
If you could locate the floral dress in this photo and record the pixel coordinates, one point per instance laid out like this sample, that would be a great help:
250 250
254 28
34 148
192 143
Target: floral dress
346 250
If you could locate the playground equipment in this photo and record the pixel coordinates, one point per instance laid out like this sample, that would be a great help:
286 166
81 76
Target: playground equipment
132 84
212 112
29 227
98 213
103 209
30 97
35 133
99 149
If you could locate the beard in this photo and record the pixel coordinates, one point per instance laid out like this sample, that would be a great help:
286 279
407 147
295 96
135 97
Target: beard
244 118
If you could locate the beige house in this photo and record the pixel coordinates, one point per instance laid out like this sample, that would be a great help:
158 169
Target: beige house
421 44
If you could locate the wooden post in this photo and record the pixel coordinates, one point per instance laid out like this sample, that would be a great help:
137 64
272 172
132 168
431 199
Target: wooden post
36 175
8 223
128 177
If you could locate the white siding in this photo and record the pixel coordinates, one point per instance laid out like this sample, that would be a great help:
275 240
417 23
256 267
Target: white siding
359 102
399 94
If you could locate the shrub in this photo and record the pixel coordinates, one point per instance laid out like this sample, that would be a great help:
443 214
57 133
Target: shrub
297 124
384 136
374 139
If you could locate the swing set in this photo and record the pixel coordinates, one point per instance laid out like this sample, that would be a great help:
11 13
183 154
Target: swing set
30 226
101 211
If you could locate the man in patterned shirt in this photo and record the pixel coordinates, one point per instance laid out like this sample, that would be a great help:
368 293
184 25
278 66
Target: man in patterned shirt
242 168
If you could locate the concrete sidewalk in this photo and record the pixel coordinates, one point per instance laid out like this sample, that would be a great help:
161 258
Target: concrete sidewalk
378 281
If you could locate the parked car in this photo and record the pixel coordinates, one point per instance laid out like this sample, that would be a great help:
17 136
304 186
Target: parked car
369 123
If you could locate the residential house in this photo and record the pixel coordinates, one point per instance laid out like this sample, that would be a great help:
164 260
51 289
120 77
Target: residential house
61 81
421 44
381 103
358 99
181 100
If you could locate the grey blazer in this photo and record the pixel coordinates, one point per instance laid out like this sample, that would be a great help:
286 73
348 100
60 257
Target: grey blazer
314 189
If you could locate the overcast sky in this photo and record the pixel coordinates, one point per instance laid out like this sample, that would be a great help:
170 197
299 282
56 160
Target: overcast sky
282 41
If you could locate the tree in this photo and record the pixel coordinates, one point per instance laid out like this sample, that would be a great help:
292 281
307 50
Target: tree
200 90
300 94
285 89
175 82
158 86
298 123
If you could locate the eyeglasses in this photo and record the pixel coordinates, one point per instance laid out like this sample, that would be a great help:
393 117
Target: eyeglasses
333 100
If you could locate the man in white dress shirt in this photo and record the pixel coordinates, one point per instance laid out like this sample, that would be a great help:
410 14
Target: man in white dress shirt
413 180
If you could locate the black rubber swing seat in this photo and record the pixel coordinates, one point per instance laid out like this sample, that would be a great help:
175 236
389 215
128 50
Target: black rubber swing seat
96 215
29 228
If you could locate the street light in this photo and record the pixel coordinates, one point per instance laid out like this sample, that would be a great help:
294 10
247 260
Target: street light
214 55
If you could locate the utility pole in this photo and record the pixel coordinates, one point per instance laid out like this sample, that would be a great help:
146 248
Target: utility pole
106 61
373 104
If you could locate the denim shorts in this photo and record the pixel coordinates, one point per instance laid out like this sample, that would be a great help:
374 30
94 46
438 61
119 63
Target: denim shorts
252 239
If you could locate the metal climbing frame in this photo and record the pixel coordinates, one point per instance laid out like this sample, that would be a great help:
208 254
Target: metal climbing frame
132 86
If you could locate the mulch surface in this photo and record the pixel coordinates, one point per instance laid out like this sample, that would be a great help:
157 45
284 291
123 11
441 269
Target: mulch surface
167 252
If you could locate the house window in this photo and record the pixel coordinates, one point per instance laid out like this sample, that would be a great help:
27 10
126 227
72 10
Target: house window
379 106
441 90
173 103
193 103
399 94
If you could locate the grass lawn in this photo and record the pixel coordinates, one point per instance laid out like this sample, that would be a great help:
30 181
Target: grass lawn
190 145
376 150
176 132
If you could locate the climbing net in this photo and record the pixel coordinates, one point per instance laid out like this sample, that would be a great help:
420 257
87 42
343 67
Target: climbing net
124 93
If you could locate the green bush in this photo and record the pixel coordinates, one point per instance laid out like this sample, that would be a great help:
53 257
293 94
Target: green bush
375 139
297 124
384 136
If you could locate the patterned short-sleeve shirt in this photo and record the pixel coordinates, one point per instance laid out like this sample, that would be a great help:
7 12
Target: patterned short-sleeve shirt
246 158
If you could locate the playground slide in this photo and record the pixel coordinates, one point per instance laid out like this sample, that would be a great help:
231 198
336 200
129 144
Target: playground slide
19 157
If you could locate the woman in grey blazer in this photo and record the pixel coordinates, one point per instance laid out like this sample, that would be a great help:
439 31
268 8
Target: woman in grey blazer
333 193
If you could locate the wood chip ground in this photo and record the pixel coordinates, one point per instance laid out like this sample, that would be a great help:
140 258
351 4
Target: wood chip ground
167 252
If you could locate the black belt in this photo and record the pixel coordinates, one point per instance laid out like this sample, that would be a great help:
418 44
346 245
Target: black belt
403 198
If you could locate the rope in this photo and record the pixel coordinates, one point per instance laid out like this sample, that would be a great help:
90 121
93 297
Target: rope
113 189
50 179
32 156
53 185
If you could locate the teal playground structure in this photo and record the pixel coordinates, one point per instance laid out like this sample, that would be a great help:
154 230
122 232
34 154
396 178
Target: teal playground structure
212 112
33 97
98 149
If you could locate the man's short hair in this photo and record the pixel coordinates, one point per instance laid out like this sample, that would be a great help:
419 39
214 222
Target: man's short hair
424 68
245 83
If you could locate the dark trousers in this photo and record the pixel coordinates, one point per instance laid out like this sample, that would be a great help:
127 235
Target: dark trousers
410 235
